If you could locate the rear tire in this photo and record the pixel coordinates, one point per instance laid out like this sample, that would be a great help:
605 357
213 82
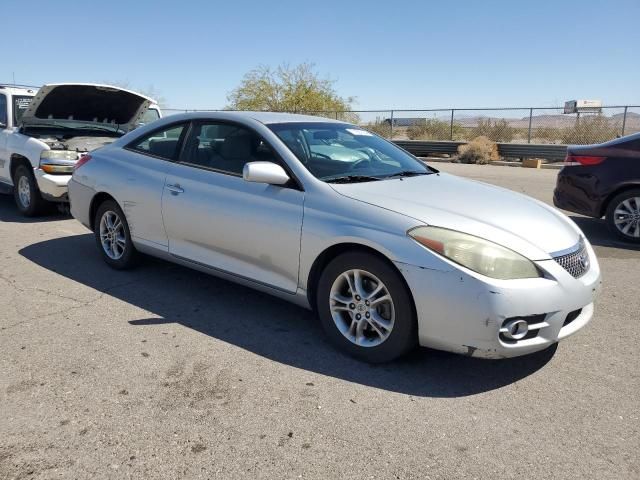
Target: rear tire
366 308
27 194
623 215
113 236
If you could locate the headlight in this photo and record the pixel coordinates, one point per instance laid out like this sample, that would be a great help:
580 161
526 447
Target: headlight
475 253
58 161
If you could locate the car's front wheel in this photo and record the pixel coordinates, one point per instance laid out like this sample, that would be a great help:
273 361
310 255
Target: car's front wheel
365 307
113 236
623 215
26 193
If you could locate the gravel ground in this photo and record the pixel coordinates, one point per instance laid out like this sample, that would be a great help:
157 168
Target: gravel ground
163 372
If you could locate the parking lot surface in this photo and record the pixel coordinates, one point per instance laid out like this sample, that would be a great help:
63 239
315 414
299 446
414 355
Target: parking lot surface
163 372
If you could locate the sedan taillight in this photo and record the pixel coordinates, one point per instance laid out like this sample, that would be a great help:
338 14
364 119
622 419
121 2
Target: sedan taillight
572 159
83 159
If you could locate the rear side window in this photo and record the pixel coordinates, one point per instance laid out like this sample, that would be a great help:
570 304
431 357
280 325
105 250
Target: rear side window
161 143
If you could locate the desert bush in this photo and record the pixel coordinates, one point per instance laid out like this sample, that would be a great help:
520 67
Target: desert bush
549 134
498 130
591 129
379 128
433 129
480 150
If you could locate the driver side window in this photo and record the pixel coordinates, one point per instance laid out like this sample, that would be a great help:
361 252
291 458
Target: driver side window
225 147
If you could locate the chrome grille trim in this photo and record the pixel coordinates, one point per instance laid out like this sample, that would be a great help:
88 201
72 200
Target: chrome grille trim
576 262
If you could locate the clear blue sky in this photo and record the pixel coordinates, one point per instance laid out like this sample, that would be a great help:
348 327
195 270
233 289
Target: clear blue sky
386 53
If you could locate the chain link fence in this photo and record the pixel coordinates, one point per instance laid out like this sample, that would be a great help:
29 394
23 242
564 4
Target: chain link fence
547 125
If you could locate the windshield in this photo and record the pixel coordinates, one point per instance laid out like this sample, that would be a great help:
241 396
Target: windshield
20 105
335 151
149 116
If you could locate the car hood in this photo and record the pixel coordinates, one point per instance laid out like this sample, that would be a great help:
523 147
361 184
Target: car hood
513 220
87 103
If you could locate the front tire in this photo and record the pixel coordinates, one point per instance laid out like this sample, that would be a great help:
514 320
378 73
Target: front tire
113 236
26 193
366 308
623 215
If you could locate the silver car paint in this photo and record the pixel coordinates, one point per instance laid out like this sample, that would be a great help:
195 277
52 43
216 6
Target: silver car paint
273 235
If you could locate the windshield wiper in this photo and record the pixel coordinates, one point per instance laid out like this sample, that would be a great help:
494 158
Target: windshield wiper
407 173
351 179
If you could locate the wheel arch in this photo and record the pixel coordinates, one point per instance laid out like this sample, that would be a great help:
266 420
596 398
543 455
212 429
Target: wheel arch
15 161
615 193
332 252
97 200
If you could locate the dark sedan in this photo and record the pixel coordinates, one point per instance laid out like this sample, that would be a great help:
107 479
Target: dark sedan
604 181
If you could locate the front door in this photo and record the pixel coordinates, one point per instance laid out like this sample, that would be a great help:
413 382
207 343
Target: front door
213 217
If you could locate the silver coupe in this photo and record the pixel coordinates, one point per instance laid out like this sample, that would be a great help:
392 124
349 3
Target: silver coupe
389 252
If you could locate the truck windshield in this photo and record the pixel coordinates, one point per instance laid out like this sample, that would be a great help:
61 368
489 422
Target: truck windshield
20 105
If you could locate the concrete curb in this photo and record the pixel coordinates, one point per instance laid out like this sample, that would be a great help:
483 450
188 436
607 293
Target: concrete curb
497 163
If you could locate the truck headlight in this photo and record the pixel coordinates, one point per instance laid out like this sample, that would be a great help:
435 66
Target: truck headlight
58 161
475 253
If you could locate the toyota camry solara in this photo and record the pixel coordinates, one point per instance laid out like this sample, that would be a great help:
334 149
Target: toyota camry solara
389 252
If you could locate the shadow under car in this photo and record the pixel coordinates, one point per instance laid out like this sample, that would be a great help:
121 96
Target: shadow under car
268 326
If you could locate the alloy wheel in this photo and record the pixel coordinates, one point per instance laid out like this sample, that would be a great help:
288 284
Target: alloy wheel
626 217
362 308
112 235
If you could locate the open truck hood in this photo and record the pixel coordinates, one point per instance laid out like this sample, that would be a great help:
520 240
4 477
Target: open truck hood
87 103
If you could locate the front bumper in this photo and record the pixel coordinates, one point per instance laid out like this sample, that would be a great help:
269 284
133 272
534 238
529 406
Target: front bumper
462 312
52 187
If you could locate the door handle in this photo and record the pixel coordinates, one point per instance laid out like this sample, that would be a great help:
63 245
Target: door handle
175 189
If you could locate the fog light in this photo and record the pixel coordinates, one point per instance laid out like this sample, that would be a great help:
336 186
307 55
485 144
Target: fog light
515 329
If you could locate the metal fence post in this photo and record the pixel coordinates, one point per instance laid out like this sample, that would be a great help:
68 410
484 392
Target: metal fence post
530 118
391 130
451 126
624 120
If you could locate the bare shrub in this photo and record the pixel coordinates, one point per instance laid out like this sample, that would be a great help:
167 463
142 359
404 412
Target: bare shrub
480 150
381 128
497 130
433 129
591 129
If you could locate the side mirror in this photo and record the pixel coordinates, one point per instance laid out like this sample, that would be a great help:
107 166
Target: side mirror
264 172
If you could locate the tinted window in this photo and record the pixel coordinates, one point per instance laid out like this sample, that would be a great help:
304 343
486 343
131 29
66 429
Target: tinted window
161 143
334 150
3 109
225 147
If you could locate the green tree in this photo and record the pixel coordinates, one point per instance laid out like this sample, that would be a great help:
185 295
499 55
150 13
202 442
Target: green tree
287 89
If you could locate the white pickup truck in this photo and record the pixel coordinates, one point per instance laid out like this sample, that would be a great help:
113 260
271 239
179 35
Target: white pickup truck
43 132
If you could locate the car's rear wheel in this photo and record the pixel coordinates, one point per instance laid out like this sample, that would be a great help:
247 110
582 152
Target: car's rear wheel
366 308
26 193
623 215
113 236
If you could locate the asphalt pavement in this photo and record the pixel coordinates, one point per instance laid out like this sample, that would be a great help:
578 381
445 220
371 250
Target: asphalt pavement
164 372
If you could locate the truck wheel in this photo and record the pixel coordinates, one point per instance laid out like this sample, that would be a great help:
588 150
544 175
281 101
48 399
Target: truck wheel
26 193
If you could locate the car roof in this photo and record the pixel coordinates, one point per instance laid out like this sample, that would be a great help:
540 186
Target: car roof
262 117
18 89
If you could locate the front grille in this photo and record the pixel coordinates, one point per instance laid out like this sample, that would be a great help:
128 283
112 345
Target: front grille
576 262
